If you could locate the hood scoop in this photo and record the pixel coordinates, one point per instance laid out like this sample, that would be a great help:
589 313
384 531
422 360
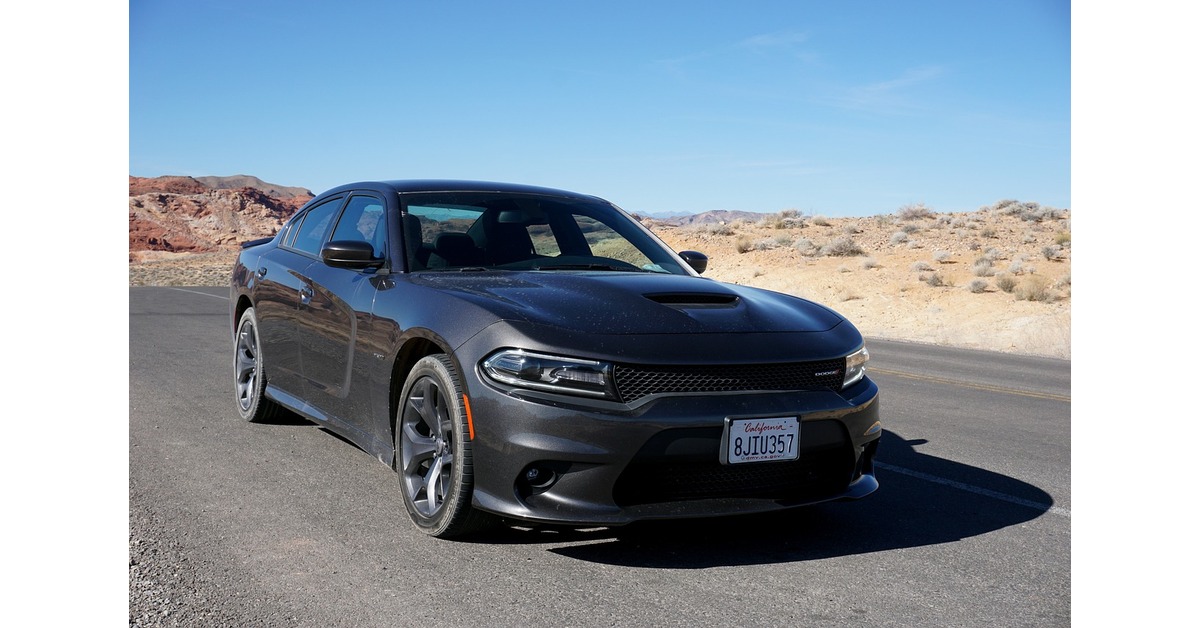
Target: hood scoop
695 300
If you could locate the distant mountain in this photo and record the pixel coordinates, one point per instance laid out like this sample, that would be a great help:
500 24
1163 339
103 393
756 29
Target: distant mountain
205 214
717 216
247 181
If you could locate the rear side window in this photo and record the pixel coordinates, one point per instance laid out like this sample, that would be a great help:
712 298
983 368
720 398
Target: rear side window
311 234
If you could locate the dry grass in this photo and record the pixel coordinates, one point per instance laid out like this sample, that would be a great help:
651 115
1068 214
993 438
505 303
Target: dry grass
1026 310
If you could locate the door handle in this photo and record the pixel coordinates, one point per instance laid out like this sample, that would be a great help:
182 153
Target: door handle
262 271
306 294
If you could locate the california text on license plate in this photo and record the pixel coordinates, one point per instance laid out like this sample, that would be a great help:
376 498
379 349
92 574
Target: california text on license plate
761 440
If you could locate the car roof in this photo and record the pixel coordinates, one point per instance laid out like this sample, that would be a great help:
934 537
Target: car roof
453 185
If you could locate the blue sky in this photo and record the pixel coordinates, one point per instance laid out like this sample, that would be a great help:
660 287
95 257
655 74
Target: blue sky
850 108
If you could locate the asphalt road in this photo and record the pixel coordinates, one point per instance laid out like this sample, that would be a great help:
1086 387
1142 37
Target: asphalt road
287 525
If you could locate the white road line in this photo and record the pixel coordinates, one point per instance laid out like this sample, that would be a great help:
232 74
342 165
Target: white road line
215 296
1063 512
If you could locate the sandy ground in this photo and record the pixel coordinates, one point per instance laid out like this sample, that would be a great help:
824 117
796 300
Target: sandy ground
887 291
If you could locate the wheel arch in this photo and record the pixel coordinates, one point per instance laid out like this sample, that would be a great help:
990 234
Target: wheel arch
411 352
239 308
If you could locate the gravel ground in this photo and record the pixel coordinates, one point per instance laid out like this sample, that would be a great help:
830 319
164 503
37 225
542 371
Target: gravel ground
174 580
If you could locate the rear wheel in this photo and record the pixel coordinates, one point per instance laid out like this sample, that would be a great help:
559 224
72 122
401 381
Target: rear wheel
433 451
248 380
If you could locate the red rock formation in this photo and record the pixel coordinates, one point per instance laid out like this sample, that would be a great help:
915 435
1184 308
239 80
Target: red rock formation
183 214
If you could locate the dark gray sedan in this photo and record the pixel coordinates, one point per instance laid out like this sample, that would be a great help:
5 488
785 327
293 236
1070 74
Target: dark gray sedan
528 354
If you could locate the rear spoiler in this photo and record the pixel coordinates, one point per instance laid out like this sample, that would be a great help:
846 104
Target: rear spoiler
250 243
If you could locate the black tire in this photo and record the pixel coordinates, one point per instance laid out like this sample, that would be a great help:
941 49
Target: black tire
248 380
433 451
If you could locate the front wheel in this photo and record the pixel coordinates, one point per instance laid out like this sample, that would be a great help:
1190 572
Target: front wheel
433 451
248 380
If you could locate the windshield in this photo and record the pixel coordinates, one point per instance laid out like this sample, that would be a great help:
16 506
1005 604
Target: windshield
490 230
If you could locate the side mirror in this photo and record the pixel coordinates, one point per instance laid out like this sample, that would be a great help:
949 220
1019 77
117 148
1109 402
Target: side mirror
350 254
698 261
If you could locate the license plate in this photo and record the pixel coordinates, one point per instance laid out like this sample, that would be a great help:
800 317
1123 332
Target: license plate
760 440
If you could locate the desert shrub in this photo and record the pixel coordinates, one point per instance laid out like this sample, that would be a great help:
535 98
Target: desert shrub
783 240
821 221
850 229
786 219
1034 288
1004 205
1009 207
913 212
1017 267
771 221
1051 251
805 247
983 268
1028 211
958 223
843 269
977 286
870 263
921 266
941 257
1062 238
933 279
988 232
910 228
764 244
744 244
1042 213
974 246
841 247
898 238
1064 282
1006 282
716 228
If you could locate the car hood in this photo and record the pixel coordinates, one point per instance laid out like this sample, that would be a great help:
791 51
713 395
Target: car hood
618 303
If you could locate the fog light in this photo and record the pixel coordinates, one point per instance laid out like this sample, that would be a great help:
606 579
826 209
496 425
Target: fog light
538 478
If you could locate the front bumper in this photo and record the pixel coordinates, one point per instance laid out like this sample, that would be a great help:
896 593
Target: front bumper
553 459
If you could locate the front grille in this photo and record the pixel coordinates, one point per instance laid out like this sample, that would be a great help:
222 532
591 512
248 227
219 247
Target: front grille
637 381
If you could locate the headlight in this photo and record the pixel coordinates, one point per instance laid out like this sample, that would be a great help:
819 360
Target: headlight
550 373
856 366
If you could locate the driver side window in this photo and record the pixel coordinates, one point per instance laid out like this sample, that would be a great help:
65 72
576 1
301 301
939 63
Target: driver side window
363 221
